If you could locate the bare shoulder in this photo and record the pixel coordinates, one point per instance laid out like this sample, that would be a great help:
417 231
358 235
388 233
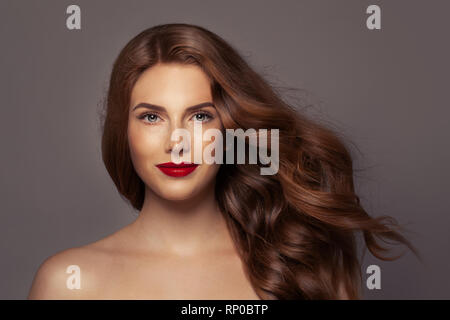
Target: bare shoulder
75 273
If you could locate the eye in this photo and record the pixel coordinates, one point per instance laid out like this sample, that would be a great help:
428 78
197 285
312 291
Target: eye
151 117
202 117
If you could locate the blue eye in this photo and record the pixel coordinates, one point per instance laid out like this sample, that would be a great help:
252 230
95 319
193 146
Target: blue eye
202 117
151 117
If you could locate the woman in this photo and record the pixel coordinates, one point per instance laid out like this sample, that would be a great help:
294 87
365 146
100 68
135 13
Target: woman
216 231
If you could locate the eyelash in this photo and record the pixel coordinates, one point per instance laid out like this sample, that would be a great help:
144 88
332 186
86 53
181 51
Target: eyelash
207 114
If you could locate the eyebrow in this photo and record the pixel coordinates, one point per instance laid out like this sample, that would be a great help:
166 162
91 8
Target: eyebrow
162 109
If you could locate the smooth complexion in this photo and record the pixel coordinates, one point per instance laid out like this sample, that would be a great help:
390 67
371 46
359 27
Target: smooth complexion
179 246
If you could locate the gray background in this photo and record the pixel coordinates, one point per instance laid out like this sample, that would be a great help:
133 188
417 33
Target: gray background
385 89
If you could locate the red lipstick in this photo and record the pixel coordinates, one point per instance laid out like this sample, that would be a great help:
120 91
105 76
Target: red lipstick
177 170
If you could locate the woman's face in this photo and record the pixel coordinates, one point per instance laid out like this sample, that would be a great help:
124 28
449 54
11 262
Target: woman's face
172 88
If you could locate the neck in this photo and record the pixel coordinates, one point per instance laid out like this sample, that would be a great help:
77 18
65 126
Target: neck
183 227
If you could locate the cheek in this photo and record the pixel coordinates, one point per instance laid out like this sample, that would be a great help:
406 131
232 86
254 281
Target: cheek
208 176
211 148
143 144
211 144
213 169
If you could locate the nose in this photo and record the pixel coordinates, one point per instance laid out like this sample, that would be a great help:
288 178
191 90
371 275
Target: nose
177 140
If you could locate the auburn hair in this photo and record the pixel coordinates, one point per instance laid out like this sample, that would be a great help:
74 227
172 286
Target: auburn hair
295 231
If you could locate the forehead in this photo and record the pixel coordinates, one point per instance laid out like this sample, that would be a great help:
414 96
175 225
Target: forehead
167 84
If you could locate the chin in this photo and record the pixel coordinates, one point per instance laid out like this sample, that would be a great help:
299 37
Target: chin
177 190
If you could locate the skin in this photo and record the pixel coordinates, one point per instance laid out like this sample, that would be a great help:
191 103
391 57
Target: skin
179 246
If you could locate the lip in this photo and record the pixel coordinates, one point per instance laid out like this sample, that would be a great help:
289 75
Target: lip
177 170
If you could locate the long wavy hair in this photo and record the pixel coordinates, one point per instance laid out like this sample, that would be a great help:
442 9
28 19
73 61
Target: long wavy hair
295 231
